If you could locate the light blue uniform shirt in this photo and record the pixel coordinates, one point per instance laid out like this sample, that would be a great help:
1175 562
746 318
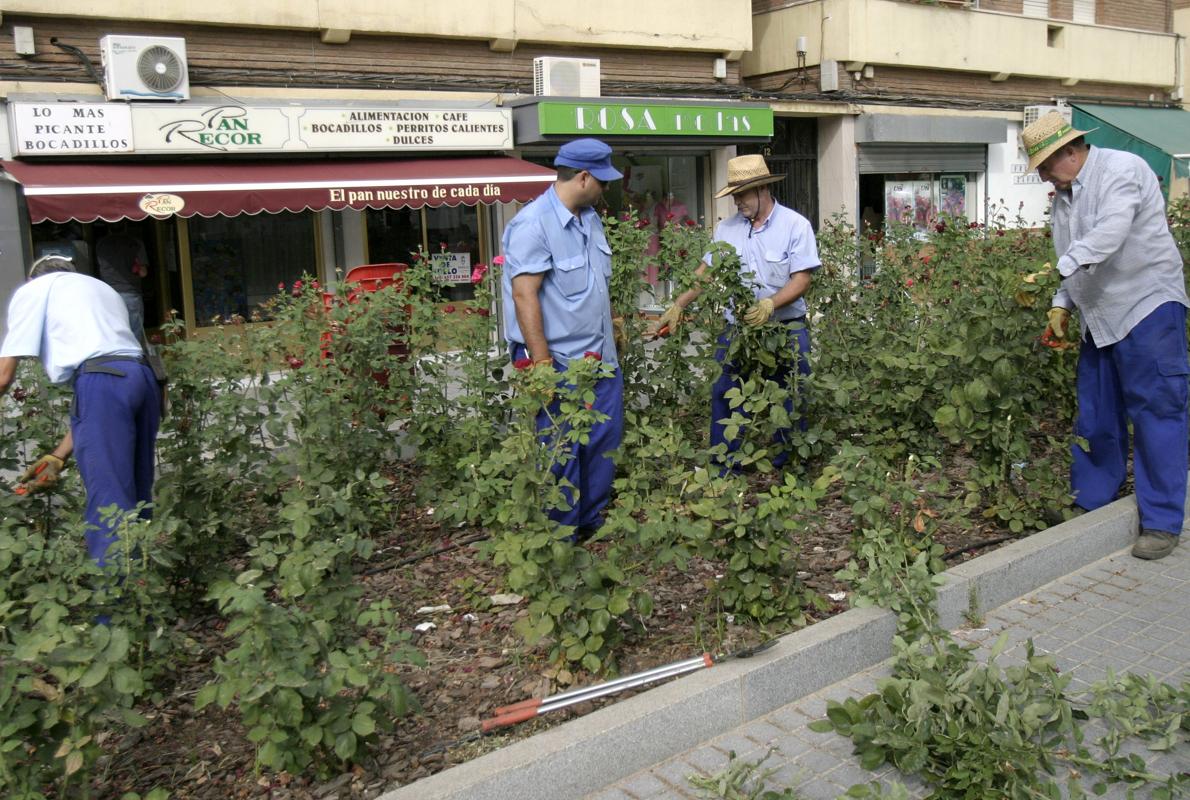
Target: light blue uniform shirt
574 254
1114 247
771 254
65 318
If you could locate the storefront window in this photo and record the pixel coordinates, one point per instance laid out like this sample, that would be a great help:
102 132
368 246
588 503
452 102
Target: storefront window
237 262
450 239
918 201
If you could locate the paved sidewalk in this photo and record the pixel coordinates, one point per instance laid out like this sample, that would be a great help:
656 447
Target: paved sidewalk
1118 612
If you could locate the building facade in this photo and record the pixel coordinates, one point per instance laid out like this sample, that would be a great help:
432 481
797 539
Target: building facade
305 139
938 92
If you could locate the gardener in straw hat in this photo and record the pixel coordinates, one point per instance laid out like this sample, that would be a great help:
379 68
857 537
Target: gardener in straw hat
1121 269
778 253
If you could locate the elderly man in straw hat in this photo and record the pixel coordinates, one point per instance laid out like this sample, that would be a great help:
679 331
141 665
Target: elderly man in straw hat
1121 269
778 253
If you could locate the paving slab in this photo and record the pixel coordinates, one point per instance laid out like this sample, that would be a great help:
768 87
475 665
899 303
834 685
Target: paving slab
638 747
1087 655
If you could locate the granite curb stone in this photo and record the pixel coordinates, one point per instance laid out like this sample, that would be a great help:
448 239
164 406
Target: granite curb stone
588 754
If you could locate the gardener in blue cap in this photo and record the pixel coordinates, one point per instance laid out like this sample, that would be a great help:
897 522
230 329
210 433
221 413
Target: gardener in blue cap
557 307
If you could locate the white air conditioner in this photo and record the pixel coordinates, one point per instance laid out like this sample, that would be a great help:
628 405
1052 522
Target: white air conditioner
144 68
1034 113
566 77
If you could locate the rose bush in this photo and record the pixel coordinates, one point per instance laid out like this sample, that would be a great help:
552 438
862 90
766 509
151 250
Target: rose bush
279 459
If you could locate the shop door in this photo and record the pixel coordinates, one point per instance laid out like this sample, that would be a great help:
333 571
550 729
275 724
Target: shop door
793 152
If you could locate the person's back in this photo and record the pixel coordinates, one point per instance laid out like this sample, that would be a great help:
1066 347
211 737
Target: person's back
84 318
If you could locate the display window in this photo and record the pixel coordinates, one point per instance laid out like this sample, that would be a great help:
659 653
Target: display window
236 263
449 236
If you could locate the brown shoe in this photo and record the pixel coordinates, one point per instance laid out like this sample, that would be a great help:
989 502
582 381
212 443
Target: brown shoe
1154 544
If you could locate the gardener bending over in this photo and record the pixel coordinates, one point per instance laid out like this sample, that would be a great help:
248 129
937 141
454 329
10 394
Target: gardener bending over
78 327
1121 269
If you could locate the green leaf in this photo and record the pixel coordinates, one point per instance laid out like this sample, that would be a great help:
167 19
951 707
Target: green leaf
94 674
363 725
345 744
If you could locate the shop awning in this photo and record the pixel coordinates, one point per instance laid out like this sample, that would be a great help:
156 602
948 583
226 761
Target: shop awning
1161 136
59 192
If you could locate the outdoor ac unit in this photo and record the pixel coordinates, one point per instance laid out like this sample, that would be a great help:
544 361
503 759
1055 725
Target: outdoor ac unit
566 77
144 68
1034 113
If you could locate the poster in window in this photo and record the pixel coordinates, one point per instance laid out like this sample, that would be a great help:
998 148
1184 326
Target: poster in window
952 194
924 211
898 203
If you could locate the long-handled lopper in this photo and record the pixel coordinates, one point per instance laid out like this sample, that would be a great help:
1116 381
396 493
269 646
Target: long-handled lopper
527 709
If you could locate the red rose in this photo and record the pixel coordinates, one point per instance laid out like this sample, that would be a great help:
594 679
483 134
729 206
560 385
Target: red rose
909 283
295 362
670 215
522 363
498 261
925 259
940 227
449 309
483 312
689 222
315 285
280 287
478 273
593 354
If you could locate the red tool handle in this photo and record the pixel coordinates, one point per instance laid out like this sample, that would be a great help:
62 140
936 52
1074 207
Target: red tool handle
532 702
504 720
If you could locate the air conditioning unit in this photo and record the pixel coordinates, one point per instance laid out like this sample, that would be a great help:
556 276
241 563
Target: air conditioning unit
144 68
566 77
1034 113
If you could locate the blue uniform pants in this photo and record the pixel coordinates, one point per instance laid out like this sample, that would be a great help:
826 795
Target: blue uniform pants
729 378
590 467
1142 379
114 425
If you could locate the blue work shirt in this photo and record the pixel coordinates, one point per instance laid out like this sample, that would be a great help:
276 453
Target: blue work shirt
771 254
574 254
1115 251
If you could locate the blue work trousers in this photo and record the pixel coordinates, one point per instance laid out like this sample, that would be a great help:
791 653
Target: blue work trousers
1142 379
589 467
729 378
114 424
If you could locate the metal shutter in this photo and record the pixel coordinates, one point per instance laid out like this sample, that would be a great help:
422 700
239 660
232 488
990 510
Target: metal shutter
894 158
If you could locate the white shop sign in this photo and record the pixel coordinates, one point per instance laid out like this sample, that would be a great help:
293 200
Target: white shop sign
412 128
185 128
451 267
50 129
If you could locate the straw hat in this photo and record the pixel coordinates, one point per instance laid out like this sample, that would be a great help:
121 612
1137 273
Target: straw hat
1045 136
747 172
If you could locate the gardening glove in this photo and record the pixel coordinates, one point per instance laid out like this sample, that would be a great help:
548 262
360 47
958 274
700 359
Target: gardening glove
619 336
759 313
668 322
1033 276
43 474
1059 319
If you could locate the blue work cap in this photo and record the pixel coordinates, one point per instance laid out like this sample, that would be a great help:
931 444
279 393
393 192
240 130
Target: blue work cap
590 154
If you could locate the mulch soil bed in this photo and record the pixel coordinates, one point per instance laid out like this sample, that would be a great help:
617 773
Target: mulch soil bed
475 663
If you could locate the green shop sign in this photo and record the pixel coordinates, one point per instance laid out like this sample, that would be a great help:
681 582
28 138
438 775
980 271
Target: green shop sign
600 118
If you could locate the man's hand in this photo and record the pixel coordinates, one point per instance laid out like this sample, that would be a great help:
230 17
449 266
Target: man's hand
668 322
42 475
759 313
1059 320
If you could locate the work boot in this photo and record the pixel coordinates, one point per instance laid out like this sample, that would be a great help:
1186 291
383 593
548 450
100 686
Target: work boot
1152 545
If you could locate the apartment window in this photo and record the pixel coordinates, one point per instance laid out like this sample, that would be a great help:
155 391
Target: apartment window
1036 8
1084 12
